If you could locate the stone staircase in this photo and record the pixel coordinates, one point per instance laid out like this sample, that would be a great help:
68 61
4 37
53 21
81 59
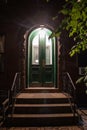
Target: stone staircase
41 107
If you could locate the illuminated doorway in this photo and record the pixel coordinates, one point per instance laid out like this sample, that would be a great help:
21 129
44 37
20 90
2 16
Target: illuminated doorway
41 58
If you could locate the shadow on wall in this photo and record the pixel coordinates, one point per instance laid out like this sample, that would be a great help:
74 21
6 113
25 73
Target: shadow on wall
81 96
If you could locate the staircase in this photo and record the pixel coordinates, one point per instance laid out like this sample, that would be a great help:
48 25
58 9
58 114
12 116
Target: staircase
41 107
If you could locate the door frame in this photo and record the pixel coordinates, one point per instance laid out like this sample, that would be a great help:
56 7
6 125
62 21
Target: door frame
55 55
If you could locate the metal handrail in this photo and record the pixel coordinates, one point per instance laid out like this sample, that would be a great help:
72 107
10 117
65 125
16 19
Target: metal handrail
4 105
8 97
16 84
15 77
71 90
16 87
71 81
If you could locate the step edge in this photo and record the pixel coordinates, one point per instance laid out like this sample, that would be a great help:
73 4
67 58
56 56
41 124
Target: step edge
42 105
40 115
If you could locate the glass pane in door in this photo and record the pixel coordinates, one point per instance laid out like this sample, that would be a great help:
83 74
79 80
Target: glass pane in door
48 51
35 50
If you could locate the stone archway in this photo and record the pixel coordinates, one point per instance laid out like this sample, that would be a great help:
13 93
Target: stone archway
24 59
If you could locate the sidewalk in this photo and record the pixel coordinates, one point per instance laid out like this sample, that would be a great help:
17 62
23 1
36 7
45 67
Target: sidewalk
83 120
45 128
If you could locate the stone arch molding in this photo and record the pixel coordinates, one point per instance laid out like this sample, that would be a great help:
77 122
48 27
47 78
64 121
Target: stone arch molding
24 59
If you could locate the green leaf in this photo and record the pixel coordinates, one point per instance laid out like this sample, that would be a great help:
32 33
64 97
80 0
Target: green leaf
86 86
80 80
64 11
85 79
54 18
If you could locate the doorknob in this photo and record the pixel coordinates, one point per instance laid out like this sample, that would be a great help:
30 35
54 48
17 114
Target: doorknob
43 63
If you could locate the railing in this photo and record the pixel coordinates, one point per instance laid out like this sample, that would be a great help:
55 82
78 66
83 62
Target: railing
70 90
4 105
16 87
7 98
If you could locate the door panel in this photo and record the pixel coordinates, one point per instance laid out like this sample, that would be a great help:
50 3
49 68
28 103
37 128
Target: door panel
41 59
35 67
48 76
35 76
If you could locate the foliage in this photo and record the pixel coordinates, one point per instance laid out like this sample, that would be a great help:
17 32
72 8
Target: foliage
83 78
75 22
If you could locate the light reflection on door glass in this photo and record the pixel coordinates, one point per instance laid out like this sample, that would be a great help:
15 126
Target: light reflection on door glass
35 50
48 51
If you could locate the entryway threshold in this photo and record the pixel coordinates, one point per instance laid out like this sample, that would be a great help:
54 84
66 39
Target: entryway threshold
41 90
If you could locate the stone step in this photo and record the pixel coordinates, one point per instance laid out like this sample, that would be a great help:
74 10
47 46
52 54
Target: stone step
41 101
42 108
40 90
41 119
41 98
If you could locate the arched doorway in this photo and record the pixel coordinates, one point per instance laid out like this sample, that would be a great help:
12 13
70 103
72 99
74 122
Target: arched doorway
41 58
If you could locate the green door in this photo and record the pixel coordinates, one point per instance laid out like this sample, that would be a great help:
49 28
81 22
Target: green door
41 58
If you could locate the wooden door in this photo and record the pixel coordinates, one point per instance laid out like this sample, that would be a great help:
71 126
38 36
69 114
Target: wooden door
41 59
